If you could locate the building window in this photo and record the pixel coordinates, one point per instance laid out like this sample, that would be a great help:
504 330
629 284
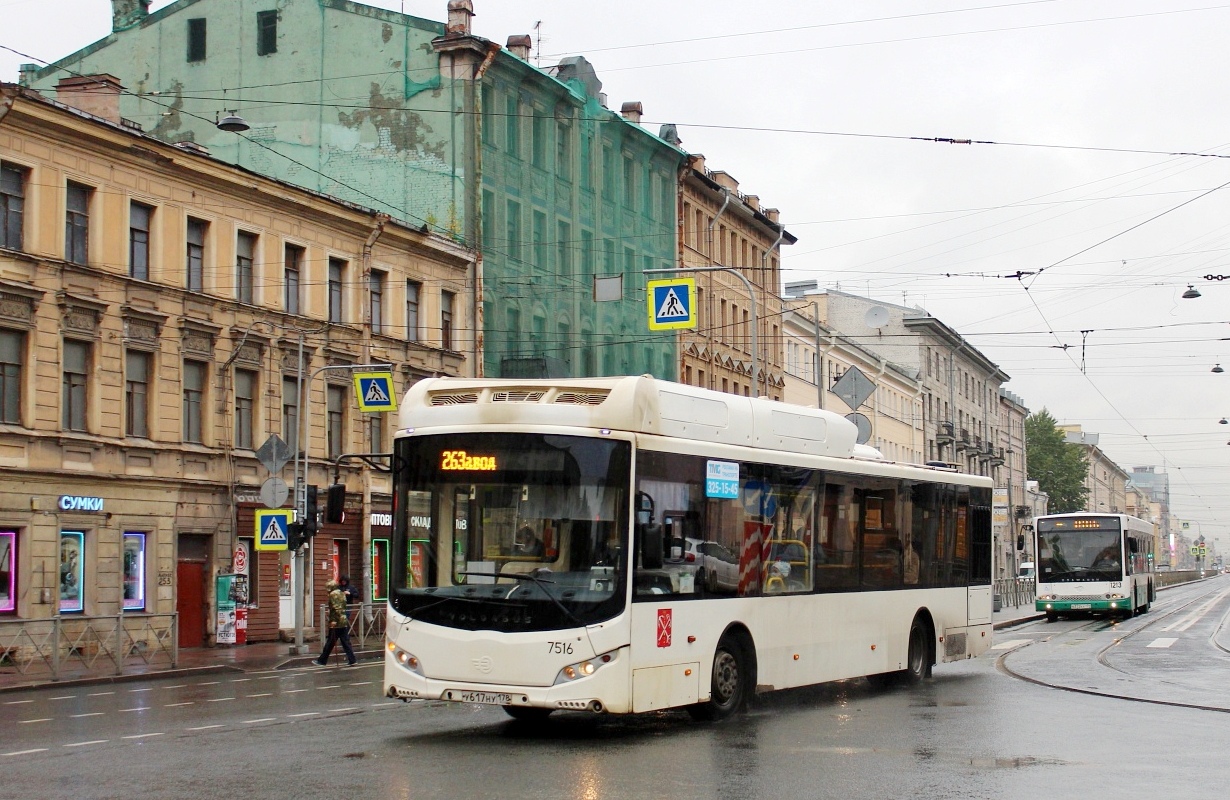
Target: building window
290 410
587 257
77 224
629 182
245 254
335 419
195 259
539 141
563 151
245 408
446 320
139 217
375 433
196 39
488 226
134 571
412 311
293 267
12 352
12 205
513 315
8 571
266 32
136 393
540 239
194 400
512 223
512 125
563 250
608 172
337 275
72 570
76 379
376 288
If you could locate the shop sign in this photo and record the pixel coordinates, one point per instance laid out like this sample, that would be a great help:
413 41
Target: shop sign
72 502
381 520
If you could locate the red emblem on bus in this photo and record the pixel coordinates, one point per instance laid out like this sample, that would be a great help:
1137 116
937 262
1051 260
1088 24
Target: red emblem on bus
664 627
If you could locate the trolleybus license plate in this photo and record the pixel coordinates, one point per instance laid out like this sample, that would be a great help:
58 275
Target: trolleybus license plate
1082 605
491 698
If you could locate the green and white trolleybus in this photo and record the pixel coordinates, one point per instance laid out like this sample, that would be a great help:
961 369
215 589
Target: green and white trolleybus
628 544
1089 562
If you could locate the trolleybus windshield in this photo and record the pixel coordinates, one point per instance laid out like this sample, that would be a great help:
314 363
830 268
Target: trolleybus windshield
510 531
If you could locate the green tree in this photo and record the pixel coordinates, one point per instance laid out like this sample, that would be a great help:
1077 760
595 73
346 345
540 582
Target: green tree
1057 466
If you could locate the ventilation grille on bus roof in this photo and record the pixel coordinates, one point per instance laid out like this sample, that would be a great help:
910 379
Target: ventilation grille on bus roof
517 396
582 398
454 399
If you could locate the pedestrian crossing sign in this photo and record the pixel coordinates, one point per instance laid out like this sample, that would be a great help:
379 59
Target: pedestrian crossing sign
374 391
272 525
672 304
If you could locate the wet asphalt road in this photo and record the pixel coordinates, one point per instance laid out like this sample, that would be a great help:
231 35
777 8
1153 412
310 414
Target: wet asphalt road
974 731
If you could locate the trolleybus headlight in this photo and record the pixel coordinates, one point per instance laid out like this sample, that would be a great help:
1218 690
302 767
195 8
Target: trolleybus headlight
1115 596
407 660
583 669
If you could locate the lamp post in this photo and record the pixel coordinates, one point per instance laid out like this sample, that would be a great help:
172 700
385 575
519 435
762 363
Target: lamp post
751 294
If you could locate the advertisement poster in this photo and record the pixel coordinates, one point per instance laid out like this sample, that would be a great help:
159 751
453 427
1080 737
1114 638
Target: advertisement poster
134 571
8 569
225 629
72 570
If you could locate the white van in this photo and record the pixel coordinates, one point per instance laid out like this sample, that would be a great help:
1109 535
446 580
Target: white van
1027 570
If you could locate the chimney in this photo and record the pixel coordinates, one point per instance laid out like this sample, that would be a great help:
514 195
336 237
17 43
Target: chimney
670 134
25 74
602 99
632 111
128 13
697 162
726 180
753 201
520 46
94 94
459 14
773 214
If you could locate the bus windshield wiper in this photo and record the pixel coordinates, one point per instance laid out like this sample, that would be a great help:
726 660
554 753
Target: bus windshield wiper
440 602
537 579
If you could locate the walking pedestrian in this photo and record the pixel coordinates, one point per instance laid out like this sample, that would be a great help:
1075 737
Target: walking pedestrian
339 626
351 591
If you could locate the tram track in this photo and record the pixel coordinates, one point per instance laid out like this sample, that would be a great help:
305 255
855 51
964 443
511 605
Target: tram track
1215 593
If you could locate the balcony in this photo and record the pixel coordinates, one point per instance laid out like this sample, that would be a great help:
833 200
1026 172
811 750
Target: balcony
943 433
996 456
964 442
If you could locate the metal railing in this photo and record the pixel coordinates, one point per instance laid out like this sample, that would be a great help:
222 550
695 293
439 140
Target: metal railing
367 621
86 646
1014 592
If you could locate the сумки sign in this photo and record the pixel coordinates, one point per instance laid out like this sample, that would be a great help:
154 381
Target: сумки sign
71 502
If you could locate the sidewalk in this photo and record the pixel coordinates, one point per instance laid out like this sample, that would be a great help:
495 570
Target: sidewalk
197 660
1008 617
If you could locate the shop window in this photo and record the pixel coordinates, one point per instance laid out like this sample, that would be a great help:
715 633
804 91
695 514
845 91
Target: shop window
134 571
380 569
251 570
8 571
72 571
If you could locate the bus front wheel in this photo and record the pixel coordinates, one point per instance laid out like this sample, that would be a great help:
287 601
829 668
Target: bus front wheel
729 683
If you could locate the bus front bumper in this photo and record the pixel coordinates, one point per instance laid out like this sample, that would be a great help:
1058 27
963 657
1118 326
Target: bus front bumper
1100 604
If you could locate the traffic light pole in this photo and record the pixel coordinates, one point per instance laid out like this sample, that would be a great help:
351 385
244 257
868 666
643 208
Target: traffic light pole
303 441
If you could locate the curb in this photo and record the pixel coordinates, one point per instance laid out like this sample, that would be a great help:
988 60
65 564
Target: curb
130 677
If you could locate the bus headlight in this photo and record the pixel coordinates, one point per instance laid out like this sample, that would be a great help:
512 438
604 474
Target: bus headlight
1115 596
407 660
583 669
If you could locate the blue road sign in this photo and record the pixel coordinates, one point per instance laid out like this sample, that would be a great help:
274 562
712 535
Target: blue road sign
374 391
672 303
271 528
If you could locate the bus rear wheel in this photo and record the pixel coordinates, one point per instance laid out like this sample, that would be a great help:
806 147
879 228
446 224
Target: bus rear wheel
527 713
728 683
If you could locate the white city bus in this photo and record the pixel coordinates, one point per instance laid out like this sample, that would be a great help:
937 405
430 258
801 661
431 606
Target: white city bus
627 544
1091 562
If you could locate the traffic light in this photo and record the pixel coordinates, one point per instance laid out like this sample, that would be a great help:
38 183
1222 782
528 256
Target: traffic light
335 503
1020 541
294 536
311 516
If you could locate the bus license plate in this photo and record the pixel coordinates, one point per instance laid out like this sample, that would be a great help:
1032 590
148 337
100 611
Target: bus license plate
490 698
1082 605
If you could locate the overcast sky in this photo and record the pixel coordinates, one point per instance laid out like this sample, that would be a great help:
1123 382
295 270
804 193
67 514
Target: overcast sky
1086 117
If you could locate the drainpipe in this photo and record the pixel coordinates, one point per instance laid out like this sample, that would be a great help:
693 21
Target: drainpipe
478 369
764 270
712 225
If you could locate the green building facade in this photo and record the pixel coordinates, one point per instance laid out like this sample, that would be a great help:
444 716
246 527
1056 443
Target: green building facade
435 127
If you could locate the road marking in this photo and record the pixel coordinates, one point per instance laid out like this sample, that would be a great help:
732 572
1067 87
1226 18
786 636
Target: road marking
141 735
219 699
203 728
91 714
382 705
83 744
17 702
134 691
31 721
209 683
293 691
1011 643
176 705
99 694
340 710
241 680
176 686
262 719
1194 616
305 714
138 708
25 752
334 686
64 697
263 694
1163 642
270 678
362 683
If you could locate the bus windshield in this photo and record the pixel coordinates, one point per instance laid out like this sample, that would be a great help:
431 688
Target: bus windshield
510 531
1079 555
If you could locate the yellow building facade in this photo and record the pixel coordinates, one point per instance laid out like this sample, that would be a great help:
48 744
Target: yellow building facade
154 303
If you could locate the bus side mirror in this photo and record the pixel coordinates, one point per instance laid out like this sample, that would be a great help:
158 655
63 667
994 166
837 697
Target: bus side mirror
649 539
